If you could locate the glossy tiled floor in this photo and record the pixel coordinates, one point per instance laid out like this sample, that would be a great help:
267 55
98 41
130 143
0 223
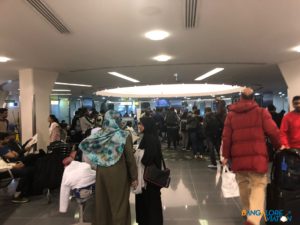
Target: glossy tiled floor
192 199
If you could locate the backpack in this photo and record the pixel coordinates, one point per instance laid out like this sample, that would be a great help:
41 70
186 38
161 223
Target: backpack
172 119
183 124
285 172
212 125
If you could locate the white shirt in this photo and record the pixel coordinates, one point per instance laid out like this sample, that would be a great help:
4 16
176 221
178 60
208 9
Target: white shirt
76 175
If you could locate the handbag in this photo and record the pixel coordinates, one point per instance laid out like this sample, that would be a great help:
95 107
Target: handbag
230 188
158 177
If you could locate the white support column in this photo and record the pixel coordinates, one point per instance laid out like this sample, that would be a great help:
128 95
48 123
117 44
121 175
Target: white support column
291 73
35 90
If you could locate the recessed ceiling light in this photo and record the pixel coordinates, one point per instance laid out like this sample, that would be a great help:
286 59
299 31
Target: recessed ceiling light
162 58
209 73
4 59
296 49
257 94
280 93
71 84
123 77
66 90
157 35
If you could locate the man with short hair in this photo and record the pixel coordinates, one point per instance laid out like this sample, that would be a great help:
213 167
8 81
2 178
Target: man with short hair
277 117
213 132
290 127
3 120
19 170
244 144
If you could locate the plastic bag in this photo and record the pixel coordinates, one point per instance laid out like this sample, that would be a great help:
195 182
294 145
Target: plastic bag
230 188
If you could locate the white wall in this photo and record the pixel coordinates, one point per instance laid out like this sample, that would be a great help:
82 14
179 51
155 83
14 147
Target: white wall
291 73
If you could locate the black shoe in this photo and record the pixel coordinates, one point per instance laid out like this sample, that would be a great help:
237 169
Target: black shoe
20 200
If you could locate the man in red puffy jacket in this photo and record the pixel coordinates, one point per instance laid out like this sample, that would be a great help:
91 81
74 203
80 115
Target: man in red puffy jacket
290 127
244 144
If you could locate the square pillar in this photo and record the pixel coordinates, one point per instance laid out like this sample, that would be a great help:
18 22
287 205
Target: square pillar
35 90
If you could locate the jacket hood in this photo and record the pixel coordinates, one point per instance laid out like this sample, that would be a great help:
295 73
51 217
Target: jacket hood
243 106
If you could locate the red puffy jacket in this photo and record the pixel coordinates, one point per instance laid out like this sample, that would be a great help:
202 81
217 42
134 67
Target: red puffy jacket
244 134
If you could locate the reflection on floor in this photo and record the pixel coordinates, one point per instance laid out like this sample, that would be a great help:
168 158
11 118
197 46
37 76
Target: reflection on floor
192 199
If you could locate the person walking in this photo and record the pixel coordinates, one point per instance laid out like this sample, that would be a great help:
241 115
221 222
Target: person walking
148 203
54 129
213 128
111 151
195 130
172 122
289 130
183 130
244 144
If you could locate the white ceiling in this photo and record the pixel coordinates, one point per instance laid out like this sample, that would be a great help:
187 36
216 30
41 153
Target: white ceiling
248 38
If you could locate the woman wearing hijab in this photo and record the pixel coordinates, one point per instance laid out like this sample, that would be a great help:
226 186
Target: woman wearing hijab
54 129
148 203
110 149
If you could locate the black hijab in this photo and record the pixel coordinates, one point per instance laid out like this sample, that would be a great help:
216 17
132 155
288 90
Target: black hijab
150 143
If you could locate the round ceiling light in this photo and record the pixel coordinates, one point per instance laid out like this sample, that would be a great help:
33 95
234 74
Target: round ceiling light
162 58
157 35
4 59
171 90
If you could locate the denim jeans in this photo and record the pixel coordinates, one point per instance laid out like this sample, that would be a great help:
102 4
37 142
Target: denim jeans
197 144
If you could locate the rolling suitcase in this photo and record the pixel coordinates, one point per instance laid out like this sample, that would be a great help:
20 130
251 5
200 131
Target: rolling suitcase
285 172
283 193
286 200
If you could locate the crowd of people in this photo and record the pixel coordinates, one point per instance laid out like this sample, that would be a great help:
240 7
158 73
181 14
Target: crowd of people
235 134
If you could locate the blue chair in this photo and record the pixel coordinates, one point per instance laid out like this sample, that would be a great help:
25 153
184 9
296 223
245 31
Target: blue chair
82 195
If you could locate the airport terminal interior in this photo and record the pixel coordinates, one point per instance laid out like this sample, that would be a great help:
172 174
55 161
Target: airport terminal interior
140 58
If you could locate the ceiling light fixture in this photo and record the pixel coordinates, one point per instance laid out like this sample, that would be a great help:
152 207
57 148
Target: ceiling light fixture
157 35
257 94
123 77
4 59
171 90
296 49
61 94
66 90
209 73
71 84
162 58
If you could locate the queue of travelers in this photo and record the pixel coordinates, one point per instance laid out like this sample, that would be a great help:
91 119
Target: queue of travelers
238 138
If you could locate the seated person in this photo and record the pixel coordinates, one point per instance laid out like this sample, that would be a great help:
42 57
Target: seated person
25 173
77 175
14 152
16 146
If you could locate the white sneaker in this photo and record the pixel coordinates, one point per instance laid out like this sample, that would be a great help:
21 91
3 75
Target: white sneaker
211 166
195 156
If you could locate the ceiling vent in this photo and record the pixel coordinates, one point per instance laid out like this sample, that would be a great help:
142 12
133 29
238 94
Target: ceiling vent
48 15
190 13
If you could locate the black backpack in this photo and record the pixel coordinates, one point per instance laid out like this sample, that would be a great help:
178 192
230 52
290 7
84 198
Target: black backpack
285 172
172 119
213 126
